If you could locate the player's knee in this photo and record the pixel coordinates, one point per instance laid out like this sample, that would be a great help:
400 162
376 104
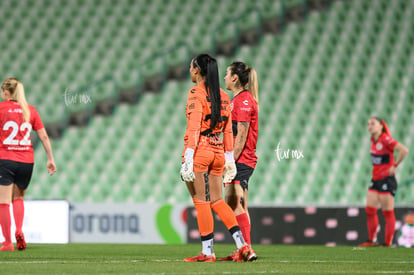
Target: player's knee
15 198
214 200
199 197
232 202
370 210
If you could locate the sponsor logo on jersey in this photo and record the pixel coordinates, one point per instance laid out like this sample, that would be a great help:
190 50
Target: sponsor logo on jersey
246 102
380 159
379 146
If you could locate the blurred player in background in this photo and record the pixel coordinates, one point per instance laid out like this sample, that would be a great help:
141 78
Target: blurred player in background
17 120
383 185
206 156
406 235
242 81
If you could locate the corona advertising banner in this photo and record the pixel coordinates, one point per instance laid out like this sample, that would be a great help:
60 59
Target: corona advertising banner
127 223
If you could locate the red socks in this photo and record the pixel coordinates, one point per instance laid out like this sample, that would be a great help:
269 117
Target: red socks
5 222
245 226
18 212
372 222
389 226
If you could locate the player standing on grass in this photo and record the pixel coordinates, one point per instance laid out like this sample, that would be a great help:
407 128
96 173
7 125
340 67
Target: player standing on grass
383 185
17 120
206 156
242 81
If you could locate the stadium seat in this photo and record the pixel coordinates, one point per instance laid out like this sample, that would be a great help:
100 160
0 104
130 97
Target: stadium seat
320 81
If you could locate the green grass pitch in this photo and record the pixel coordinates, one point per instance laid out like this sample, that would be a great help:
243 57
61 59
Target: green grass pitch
168 259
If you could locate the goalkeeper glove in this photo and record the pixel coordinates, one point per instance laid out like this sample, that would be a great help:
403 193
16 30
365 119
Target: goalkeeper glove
230 170
186 172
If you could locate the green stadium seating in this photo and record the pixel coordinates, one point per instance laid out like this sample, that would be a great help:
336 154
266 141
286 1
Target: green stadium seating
320 81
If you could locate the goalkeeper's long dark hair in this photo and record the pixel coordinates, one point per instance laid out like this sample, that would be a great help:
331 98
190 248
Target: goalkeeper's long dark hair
209 69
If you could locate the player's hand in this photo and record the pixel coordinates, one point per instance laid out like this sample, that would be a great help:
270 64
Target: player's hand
392 170
51 167
230 171
186 172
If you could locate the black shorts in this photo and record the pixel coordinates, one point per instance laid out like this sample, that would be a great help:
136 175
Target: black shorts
16 172
244 172
387 185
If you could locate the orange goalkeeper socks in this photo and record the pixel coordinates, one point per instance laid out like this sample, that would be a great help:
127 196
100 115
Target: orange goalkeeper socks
204 217
225 213
205 225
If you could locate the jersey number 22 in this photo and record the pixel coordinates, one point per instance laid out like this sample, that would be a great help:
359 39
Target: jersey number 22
10 140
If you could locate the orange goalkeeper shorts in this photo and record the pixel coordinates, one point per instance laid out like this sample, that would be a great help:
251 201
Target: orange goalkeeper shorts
208 161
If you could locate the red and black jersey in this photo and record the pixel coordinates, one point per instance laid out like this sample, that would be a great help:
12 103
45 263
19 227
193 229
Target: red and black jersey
15 143
244 108
382 156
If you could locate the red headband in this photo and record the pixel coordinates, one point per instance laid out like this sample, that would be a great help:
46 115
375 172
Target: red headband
386 128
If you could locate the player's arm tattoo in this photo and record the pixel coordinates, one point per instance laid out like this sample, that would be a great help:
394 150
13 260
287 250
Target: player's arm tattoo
242 131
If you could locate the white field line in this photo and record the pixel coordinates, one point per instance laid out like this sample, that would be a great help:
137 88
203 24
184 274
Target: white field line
179 260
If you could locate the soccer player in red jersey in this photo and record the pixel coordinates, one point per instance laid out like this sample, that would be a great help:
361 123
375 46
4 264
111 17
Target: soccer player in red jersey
242 81
206 156
17 120
383 184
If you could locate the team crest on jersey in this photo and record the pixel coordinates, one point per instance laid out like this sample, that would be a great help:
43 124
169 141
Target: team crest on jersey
231 106
379 146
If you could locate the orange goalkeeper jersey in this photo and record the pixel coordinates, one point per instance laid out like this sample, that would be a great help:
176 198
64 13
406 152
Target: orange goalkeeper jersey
198 113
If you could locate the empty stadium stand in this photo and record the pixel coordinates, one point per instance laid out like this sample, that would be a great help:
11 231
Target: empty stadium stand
320 78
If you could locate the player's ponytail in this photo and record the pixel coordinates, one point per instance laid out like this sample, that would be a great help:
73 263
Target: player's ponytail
209 69
247 78
385 128
21 98
254 85
384 125
16 90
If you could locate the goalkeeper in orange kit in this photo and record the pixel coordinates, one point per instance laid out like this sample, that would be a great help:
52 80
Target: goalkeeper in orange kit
207 158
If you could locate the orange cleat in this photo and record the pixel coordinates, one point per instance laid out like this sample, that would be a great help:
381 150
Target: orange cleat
228 258
202 258
7 247
245 254
367 244
253 257
20 242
